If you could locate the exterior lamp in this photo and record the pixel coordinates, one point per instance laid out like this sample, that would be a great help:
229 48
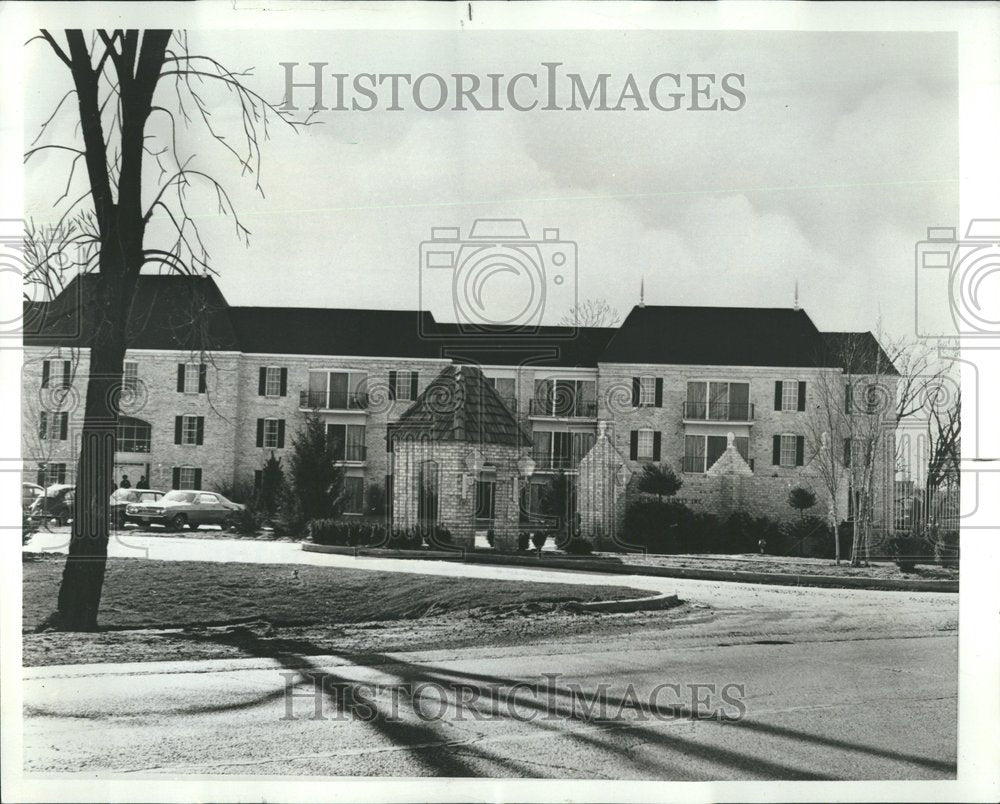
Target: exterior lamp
624 473
526 466
474 462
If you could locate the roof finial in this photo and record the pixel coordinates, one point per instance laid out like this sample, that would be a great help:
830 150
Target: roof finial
642 292
796 294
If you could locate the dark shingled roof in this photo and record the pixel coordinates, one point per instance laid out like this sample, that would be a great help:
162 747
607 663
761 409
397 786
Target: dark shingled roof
857 353
717 336
318 331
460 405
190 313
187 313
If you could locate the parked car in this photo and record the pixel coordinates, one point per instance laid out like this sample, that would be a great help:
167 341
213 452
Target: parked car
177 509
55 504
122 498
29 493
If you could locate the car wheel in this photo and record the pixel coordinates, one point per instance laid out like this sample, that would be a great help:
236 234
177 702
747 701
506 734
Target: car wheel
178 522
231 522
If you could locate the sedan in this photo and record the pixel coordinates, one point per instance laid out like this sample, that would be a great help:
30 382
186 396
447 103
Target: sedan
177 509
122 498
55 505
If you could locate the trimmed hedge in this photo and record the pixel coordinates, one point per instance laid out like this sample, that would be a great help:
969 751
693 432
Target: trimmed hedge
670 526
360 534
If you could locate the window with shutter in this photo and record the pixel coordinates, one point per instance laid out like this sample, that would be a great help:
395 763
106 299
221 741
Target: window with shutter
790 395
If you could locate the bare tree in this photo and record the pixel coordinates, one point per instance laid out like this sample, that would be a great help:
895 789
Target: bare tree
122 80
591 313
857 411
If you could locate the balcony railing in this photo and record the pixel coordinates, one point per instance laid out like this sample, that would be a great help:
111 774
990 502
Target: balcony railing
567 409
351 452
333 400
554 462
719 411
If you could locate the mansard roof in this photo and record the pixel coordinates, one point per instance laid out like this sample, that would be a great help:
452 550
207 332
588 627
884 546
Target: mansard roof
191 313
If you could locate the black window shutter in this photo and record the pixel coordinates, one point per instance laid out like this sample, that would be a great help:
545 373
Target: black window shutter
413 385
659 394
63 425
284 382
45 375
66 374
176 481
656 445
260 432
262 381
202 378
847 452
800 450
635 392
281 433
180 376
200 434
178 426
197 478
633 447
777 395
43 420
802 395
776 450
392 385
848 398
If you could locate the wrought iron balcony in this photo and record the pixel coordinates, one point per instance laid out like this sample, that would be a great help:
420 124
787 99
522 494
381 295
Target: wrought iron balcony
547 462
350 452
333 400
719 411
563 408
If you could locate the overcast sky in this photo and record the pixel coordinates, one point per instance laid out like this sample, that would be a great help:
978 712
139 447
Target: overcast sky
845 151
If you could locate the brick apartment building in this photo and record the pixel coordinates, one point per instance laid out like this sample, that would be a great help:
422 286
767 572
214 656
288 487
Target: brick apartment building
211 390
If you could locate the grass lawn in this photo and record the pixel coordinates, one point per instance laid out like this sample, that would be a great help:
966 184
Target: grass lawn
142 593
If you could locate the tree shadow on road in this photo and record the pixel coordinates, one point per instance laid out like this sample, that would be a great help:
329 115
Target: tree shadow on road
558 713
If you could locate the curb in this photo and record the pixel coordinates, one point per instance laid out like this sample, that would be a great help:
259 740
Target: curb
654 603
592 565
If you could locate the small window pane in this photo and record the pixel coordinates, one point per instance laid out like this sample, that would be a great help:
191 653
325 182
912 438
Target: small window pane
790 395
271 433
788 450
647 392
272 381
192 373
189 430
646 444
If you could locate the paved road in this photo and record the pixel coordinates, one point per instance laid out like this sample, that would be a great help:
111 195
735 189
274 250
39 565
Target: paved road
846 685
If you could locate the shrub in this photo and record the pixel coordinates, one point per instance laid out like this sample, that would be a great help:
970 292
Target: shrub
538 538
491 537
946 550
248 521
272 484
809 536
523 540
801 499
659 479
438 537
906 551
578 547
658 525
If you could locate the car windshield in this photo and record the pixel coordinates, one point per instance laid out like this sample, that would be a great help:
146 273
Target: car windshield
179 496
